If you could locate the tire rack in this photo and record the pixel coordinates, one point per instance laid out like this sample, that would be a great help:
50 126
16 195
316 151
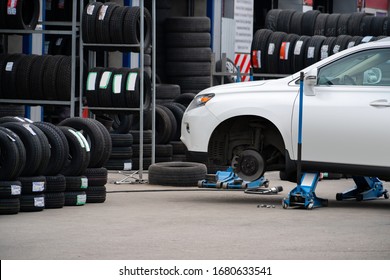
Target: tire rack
73 33
141 62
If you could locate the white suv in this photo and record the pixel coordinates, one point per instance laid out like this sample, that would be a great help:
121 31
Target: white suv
254 125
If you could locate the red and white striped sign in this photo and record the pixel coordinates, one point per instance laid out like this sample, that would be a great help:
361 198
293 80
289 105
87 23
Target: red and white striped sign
244 61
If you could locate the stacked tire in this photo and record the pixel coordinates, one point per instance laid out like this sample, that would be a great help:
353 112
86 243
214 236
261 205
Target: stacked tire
22 14
122 152
35 77
188 53
110 23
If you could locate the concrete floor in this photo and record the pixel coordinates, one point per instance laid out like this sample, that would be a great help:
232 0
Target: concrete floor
146 222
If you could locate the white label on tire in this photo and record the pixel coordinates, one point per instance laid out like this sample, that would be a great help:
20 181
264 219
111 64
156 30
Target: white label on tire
86 144
84 183
298 47
81 199
336 49
38 186
117 84
131 79
16 190
78 137
39 201
19 119
102 12
351 44
90 9
271 48
91 81
59 42
105 79
28 127
324 51
310 52
366 39
9 66
127 166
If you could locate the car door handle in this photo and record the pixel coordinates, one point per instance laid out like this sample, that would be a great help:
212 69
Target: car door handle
380 103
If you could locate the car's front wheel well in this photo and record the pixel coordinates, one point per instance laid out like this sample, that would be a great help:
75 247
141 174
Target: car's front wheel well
246 132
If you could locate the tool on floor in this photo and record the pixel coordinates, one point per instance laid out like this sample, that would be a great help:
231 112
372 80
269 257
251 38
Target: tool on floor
367 188
304 193
230 180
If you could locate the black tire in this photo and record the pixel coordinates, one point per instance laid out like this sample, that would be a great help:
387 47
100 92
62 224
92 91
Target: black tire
121 140
55 183
320 25
104 90
308 22
79 156
296 23
354 41
342 24
165 125
365 25
9 75
36 78
89 19
178 111
187 24
116 25
119 164
341 43
313 50
121 153
96 194
9 206
94 136
284 20
32 203
76 183
188 68
331 25
133 90
185 98
299 53
286 54
195 83
23 74
271 19
178 147
58 146
96 176
107 144
118 87
24 14
188 54
12 110
272 56
176 173
45 149
162 150
354 24
259 50
50 73
131 27
106 121
146 162
102 23
54 200
167 91
122 123
32 144
147 136
32 185
188 40
64 78
12 161
327 47
377 24
91 91
10 189
75 198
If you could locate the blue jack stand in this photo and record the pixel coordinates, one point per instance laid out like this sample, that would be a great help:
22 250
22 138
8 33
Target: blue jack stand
303 195
229 180
367 188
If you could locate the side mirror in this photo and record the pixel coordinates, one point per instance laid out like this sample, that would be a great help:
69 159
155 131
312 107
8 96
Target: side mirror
310 81
372 76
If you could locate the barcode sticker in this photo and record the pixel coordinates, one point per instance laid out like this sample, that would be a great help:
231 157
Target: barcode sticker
38 186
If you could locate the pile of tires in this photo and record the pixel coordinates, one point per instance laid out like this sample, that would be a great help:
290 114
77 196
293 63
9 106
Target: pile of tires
21 14
117 87
35 77
47 166
188 52
110 23
315 23
294 40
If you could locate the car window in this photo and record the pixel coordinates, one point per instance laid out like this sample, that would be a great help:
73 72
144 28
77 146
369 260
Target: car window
366 68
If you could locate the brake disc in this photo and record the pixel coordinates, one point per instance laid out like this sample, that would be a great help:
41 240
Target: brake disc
248 165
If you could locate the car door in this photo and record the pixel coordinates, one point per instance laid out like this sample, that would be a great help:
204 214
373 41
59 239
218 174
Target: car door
346 120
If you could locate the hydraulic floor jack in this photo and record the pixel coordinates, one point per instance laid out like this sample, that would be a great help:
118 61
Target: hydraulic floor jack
229 180
367 188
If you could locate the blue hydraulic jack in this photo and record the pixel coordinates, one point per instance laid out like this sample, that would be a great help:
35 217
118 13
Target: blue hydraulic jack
303 194
229 180
367 188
